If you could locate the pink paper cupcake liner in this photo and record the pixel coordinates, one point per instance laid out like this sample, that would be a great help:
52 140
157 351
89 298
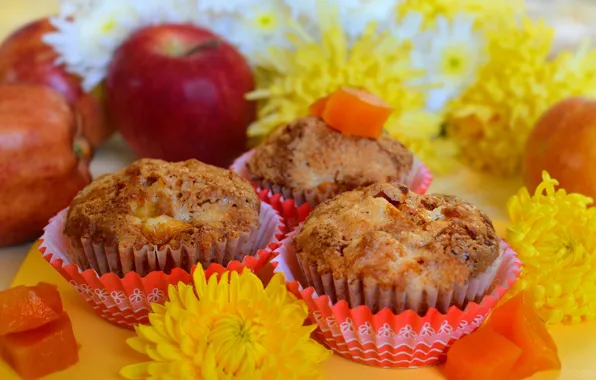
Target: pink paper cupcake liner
126 301
389 340
418 180
287 208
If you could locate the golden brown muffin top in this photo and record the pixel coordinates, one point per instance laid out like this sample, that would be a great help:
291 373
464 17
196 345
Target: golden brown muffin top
307 153
154 202
398 238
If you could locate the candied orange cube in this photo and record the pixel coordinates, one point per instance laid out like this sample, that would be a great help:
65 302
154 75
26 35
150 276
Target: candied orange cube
356 112
483 354
518 320
44 350
25 308
317 108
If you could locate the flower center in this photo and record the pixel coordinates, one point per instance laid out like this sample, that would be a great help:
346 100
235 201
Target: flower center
266 21
108 26
455 61
237 343
568 252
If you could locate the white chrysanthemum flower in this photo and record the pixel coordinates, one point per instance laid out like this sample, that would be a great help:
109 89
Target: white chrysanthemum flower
224 6
71 7
258 26
358 14
87 41
303 8
451 55
409 28
154 12
355 15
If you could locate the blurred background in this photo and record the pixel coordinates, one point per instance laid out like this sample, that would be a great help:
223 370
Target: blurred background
13 13
573 18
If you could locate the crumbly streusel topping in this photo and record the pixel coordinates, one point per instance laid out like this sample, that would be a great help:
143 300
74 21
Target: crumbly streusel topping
307 154
390 234
154 202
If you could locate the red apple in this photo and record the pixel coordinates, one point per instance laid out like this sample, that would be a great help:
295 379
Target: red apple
25 58
177 92
44 161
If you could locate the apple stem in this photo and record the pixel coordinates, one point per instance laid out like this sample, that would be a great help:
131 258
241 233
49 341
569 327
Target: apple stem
207 44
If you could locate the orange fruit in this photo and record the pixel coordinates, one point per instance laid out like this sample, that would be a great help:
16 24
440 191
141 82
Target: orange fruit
518 320
44 350
25 308
562 143
353 112
483 354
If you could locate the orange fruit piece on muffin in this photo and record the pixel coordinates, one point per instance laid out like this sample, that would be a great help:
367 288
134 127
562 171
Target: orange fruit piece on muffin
317 108
353 112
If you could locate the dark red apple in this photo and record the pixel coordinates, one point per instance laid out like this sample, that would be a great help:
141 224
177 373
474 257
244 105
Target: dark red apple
177 92
25 58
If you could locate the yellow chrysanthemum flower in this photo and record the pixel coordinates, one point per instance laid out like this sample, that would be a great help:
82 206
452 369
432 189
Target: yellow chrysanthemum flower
231 328
492 119
483 10
554 234
289 80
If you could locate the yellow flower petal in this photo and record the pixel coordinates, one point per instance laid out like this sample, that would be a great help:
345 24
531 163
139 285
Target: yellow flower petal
149 333
209 365
138 344
234 289
200 282
223 288
275 290
135 371
170 352
481 9
157 308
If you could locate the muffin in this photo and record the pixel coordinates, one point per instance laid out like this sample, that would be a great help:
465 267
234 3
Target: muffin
310 162
385 246
160 215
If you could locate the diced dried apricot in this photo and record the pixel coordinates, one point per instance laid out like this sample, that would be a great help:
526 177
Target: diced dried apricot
483 354
39 352
28 307
355 112
518 320
316 109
